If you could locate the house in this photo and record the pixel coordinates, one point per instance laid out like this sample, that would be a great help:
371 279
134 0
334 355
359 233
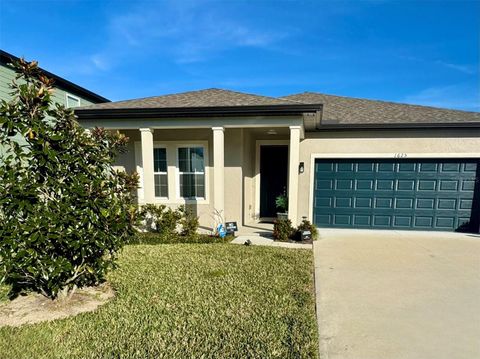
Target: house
344 162
66 92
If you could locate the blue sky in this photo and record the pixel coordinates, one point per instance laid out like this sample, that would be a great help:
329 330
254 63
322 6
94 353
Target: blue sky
423 52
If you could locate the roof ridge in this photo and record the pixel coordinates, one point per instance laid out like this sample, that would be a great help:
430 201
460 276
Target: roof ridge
374 100
208 97
157 96
202 90
243 93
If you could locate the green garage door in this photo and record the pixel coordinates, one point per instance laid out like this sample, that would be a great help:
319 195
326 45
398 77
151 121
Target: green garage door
397 194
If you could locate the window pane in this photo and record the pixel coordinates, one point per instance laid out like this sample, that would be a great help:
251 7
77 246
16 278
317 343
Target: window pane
191 159
161 185
196 156
187 189
200 186
159 160
192 185
72 101
183 158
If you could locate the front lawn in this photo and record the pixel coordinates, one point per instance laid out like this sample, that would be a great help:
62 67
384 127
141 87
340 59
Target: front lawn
189 301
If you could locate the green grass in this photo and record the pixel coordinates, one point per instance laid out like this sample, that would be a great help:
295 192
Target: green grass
189 301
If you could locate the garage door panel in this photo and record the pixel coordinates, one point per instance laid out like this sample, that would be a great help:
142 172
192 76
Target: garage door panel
402 194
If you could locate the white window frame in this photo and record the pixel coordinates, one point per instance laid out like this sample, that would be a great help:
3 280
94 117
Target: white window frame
178 173
160 173
76 98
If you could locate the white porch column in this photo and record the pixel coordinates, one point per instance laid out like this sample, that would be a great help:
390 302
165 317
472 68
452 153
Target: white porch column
147 164
219 170
293 161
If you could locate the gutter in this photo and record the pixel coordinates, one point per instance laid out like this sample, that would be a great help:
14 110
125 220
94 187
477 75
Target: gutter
217 111
397 126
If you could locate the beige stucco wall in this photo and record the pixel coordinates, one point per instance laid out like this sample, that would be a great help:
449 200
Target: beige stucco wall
171 139
240 159
386 144
234 153
240 169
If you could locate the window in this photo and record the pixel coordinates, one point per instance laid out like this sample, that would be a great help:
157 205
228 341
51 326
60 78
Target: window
160 172
191 172
72 101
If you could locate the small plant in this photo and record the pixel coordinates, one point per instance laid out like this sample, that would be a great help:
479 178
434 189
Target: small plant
189 222
306 225
281 202
161 219
283 230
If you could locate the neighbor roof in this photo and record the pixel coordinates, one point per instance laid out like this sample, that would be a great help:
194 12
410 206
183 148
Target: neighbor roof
6 58
338 110
203 98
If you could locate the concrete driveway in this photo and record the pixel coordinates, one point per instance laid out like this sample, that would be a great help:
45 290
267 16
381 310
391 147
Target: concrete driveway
398 294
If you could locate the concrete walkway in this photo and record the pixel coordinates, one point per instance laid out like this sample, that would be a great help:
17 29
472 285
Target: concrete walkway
261 234
258 240
398 295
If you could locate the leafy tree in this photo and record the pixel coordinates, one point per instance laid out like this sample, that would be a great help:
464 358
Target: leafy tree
64 211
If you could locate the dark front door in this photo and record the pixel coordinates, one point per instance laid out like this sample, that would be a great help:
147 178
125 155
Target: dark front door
273 177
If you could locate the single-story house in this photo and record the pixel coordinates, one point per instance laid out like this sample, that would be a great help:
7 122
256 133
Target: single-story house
343 162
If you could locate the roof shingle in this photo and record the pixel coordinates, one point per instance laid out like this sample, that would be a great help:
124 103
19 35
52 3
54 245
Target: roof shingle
202 98
354 111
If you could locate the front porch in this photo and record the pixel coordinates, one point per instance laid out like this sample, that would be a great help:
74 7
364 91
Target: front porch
217 169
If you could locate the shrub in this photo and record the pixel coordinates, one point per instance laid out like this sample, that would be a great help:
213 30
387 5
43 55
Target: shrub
161 219
64 211
282 229
306 225
189 222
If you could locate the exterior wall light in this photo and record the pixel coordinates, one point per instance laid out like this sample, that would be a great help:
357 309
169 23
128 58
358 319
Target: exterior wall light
301 167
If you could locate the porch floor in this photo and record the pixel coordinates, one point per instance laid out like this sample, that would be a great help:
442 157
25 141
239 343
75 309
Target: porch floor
256 229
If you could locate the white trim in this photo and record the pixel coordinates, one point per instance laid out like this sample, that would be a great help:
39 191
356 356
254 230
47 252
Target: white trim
161 145
398 155
177 171
393 155
172 171
257 176
139 170
190 123
67 95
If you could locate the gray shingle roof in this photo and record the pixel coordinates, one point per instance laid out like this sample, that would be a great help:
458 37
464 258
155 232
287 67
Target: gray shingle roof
203 98
354 111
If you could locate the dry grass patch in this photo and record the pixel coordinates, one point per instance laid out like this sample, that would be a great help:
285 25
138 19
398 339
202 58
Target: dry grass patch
35 308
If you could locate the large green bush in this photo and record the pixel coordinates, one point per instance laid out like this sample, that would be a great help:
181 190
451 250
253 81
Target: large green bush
64 212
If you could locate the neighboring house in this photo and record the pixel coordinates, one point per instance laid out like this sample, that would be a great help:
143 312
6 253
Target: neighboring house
344 162
66 92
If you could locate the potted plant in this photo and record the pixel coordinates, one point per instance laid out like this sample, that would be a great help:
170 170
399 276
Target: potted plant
281 202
